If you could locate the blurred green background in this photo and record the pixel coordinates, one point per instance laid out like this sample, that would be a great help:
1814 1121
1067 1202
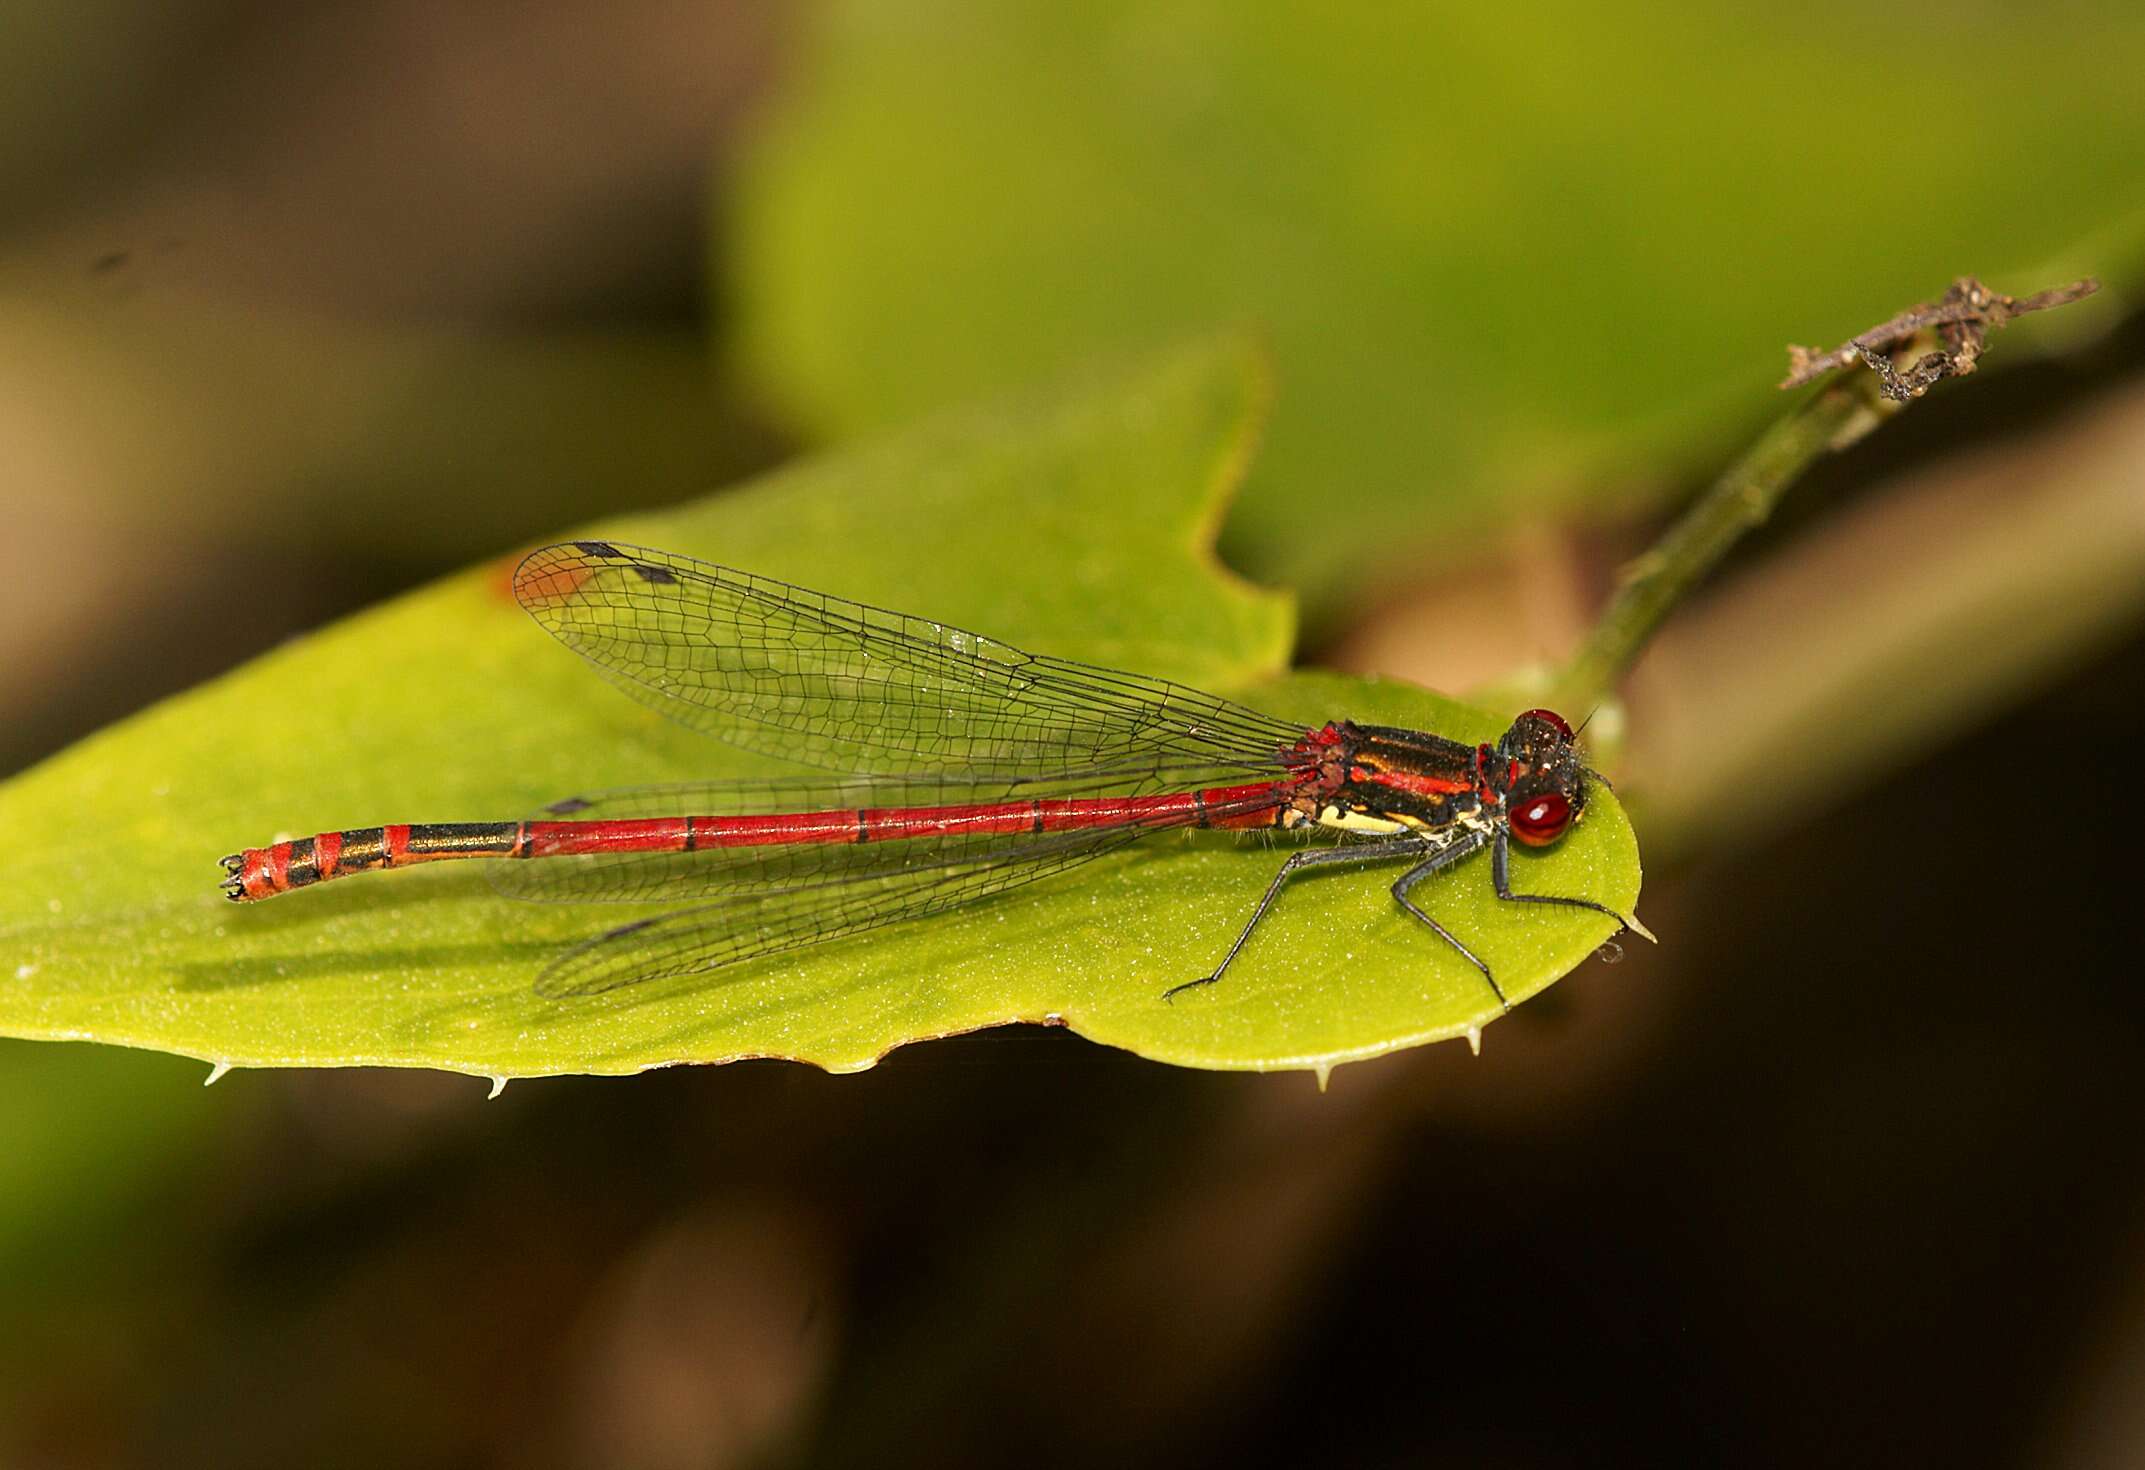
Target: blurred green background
303 305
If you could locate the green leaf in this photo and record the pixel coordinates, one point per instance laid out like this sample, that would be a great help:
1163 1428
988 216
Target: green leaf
1077 526
1511 257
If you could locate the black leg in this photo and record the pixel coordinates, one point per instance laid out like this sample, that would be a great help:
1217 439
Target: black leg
1437 862
1501 875
1370 852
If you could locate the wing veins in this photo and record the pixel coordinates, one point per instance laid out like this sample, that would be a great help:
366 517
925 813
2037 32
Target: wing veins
996 706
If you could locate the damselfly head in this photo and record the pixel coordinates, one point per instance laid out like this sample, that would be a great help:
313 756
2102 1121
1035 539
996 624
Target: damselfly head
1543 725
1546 784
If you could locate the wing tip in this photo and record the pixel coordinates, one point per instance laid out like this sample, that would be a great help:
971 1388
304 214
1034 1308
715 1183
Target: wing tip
552 576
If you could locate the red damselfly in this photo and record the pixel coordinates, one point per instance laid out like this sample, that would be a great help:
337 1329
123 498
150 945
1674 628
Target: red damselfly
1008 767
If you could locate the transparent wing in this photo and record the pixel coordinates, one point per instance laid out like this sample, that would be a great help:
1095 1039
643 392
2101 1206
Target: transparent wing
752 922
828 682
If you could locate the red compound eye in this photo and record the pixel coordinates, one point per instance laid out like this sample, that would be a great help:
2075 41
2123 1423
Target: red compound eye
1552 719
1542 820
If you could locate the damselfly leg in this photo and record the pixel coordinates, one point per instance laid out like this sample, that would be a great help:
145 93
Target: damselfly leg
1437 862
1501 879
1441 854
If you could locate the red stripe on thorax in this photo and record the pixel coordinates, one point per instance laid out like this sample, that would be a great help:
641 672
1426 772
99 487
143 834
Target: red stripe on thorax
1419 784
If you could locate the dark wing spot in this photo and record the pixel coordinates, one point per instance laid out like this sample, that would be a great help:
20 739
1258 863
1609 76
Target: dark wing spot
568 806
661 576
598 548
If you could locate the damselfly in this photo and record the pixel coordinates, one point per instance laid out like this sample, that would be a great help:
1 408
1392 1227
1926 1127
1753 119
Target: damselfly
1006 767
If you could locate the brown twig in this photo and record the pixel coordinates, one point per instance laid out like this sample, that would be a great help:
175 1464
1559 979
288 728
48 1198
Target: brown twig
1961 323
1652 586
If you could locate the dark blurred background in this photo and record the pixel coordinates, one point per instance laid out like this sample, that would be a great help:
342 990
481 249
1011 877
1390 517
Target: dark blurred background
301 305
